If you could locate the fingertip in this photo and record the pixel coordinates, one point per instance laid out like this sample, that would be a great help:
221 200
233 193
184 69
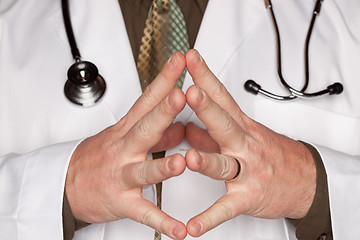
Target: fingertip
179 126
176 165
195 96
193 58
194 228
193 160
176 99
177 60
179 231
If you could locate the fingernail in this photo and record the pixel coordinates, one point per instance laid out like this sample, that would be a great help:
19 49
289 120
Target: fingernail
173 60
171 164
196 58
170 99
198 158
175 232
201 94
197 228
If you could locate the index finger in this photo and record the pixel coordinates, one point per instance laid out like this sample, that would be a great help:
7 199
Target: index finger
149 129
220 125
206 80
161 86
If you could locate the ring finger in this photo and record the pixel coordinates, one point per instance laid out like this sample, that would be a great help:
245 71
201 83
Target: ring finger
213 165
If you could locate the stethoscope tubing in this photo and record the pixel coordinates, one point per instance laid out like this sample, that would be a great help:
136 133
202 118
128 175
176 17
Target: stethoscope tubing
69 30
255 88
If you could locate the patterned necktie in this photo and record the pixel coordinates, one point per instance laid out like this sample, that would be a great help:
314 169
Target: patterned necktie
164 33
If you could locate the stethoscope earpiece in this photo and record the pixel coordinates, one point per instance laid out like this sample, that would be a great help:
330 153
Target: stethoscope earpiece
335 88
252 87
84 86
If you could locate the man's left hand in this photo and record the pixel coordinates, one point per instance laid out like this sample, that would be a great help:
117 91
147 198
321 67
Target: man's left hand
277 174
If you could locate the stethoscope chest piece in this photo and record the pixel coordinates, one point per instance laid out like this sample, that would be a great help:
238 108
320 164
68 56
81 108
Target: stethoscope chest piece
84 86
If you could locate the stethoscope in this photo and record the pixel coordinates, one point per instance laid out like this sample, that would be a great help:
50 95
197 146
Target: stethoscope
252 87
85 86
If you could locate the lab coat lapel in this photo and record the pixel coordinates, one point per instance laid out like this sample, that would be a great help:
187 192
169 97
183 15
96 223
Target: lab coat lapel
101 39
225 26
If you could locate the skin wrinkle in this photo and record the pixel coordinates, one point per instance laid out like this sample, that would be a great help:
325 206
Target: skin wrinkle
149 94
225 172
143 130
141 170
162 169
227 210
146 217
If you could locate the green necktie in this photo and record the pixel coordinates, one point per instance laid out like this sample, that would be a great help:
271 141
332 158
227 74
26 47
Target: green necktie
164 33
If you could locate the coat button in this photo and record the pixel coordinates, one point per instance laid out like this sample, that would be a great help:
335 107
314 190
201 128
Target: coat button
323 237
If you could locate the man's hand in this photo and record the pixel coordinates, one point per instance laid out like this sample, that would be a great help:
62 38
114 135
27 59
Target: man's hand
107 171
278 175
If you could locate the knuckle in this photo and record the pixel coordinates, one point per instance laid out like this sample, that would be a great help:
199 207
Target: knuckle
164 110
227 211
142 178
163 169
142 129
219 90
225 166
149 95
210 222
146 217
164 226
227 124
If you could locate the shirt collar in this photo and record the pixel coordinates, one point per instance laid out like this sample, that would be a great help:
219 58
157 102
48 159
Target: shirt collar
136 4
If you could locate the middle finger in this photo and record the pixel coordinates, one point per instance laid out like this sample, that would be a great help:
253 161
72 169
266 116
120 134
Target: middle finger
152 172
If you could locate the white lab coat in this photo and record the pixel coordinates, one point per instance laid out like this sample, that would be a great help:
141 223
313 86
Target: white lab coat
39 128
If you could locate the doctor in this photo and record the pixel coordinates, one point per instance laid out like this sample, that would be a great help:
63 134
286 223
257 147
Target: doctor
40 129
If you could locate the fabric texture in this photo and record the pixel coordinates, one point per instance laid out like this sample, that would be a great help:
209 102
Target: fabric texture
164 33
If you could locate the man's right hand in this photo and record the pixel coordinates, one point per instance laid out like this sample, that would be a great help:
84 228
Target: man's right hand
107 171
